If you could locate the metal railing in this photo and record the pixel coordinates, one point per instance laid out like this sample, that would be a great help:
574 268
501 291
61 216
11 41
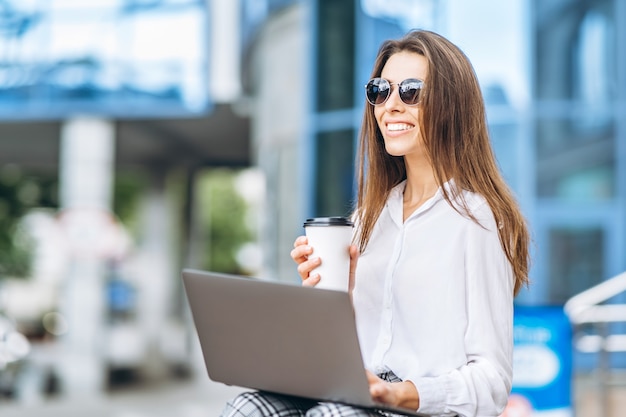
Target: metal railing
594 321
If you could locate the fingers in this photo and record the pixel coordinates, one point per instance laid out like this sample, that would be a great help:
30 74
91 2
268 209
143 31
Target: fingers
301 250
378 387
402 394
305 268
371 378
354 256
300 240
311 281
354 253
301 254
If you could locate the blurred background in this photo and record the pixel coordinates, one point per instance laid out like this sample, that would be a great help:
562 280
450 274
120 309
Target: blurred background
139 137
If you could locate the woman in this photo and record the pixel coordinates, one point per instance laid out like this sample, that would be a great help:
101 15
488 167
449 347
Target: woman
443 245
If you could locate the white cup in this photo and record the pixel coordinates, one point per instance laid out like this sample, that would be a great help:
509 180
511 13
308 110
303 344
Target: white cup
330 238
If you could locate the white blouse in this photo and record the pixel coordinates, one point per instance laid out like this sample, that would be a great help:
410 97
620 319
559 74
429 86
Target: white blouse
433 300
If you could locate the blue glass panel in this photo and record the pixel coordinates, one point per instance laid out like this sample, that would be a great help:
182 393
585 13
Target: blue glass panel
121 58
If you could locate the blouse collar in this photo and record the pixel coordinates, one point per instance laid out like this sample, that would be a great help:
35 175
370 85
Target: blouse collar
395 202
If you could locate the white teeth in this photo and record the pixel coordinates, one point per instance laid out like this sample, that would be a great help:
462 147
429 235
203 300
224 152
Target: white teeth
398 126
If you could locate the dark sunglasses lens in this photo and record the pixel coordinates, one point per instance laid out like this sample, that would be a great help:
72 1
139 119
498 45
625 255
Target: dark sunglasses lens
410 91
377 91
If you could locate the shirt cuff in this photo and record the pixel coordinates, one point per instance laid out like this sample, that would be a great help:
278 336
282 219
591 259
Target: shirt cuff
432 396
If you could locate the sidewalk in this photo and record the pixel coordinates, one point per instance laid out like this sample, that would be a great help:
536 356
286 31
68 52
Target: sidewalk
200 397
590 401
189 398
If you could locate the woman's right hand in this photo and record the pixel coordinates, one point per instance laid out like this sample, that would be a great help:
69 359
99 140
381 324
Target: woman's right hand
301 254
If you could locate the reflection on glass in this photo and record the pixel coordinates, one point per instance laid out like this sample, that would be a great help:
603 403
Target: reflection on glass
574 163
594 81
335 60
504 137
335 173
575 50
576 80
576 261
118 57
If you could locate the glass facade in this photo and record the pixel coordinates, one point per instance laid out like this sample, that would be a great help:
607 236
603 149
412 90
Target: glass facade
119 58
333 134
254 13
562 149
347 35
335 60
575 261
576 90
578 144
335 173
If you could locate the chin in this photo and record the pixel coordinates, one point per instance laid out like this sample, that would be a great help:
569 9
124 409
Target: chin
394 151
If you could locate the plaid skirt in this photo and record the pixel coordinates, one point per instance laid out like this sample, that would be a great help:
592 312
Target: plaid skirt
265 404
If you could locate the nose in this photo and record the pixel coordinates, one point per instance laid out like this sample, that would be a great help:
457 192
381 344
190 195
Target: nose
393 101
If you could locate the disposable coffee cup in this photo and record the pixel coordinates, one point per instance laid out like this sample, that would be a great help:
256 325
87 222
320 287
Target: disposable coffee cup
330 238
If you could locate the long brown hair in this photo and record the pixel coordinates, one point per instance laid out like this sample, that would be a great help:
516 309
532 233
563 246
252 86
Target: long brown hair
454 130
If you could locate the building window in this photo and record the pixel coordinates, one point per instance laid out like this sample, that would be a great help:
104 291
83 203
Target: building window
335 55
334 173
576 261
575 84
119 59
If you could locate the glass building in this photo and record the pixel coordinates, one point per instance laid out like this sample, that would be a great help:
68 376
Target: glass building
578 144
554 97
109 57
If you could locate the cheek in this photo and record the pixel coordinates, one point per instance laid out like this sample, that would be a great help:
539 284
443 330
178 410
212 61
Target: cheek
378 114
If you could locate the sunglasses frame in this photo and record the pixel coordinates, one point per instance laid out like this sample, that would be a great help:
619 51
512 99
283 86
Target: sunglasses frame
390 90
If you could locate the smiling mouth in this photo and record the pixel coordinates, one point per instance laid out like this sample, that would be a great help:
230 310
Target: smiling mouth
396 127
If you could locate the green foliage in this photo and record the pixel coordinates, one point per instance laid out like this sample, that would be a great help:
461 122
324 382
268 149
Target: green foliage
223 221
127 191
16 249
18 194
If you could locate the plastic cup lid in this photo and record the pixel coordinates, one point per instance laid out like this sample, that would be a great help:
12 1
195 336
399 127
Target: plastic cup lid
328 221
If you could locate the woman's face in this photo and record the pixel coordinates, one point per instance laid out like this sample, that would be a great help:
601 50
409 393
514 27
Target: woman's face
399 122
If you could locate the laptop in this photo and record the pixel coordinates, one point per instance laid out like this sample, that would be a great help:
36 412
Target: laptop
279 337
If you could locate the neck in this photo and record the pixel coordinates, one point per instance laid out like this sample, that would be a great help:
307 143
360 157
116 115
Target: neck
420 183
420 186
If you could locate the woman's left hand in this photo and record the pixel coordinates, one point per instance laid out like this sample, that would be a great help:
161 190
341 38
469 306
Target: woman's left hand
354 257
399 394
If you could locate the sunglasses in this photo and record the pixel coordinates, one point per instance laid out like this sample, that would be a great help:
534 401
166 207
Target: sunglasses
378 90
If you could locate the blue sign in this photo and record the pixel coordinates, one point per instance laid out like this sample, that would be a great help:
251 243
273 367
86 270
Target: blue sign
542 361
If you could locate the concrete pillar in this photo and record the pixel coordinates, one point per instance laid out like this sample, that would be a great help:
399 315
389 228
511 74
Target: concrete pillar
224 50
86 177
87 163
155 269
